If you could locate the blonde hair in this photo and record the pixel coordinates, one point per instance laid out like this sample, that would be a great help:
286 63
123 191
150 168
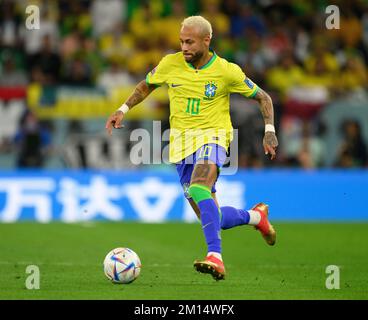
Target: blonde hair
198 22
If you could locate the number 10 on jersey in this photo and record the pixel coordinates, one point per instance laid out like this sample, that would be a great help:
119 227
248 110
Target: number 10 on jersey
193 106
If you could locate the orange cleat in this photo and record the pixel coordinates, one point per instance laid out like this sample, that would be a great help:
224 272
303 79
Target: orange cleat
264 226
211 265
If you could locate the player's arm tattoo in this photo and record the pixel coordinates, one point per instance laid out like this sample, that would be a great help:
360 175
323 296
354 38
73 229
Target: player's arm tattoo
266 107
141 92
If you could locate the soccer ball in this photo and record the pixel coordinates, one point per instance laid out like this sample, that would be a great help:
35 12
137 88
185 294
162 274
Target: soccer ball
122 265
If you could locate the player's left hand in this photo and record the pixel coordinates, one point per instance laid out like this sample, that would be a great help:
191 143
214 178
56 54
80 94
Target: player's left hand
270 144
114 121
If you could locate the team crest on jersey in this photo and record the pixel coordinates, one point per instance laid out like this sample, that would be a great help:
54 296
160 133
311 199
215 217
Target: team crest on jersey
210 90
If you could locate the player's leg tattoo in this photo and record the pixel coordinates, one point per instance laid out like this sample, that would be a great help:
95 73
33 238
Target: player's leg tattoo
204 173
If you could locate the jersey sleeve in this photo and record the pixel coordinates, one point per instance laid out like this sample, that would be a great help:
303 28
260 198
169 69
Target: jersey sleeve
158 75
239 82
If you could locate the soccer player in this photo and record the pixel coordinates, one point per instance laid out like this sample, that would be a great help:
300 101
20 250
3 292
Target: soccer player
199 87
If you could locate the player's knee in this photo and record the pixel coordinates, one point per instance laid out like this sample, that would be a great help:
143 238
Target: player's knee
199 192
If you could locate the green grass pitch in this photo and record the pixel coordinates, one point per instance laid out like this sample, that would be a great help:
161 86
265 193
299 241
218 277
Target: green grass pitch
70 258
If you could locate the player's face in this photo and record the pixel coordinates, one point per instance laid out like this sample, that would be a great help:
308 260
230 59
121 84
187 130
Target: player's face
193 44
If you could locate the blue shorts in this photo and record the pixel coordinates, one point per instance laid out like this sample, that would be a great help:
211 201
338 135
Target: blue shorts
212 151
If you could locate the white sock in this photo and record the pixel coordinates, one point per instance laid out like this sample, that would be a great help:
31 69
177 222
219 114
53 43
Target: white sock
215 254
254 217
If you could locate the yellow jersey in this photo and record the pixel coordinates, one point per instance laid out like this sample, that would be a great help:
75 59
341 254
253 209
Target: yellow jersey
199 101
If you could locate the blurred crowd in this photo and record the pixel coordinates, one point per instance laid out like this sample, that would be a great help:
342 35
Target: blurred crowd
283 46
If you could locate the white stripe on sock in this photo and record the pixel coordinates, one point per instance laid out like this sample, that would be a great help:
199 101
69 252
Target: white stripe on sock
215 254
254 217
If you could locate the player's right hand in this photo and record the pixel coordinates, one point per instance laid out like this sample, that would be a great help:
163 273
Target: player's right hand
114 121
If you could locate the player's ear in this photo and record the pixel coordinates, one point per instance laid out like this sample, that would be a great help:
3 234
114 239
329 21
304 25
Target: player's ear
207 39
